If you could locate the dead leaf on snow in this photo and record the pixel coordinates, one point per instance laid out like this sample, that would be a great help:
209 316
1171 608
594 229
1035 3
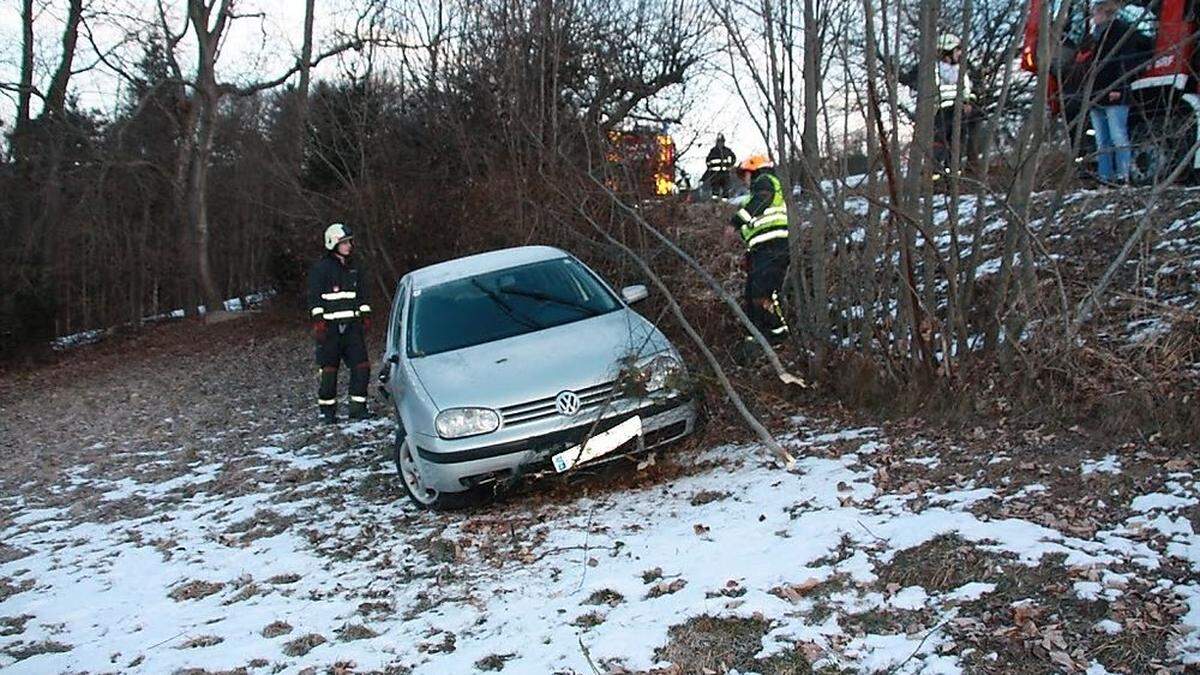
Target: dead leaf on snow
652 575
665 588
794 592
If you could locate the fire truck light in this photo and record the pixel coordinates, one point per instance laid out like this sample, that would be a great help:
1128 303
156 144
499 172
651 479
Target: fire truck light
663 185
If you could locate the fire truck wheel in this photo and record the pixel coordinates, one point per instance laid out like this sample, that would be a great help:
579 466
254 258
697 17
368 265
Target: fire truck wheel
1160 143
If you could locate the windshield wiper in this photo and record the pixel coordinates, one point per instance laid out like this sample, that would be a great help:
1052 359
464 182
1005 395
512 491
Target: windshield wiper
538 295
507 308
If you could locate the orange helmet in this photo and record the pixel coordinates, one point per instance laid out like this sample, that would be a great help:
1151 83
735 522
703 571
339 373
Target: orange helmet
754 163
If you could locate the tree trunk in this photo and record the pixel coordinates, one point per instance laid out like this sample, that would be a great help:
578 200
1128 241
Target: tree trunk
198 202
777 97
915 180
812 173
1028 156
26 87
207 98
56 96
301 110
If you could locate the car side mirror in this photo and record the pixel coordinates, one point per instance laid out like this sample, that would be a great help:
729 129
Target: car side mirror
393 359
635 293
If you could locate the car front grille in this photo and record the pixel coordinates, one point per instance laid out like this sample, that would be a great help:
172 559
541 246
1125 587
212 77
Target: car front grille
591 399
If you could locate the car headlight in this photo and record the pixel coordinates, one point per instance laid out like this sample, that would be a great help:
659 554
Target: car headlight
659 371
463 422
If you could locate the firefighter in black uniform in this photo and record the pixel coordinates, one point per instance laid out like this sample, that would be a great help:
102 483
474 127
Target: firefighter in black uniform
718 166
763 226
341 315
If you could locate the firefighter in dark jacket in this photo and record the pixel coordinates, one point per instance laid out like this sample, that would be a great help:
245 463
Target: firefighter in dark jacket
763 226
341 315
718 165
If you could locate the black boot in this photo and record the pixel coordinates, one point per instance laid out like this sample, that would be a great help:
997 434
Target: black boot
329 414
359 411
327 393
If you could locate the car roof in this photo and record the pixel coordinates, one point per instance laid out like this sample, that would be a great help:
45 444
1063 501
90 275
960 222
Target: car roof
481 263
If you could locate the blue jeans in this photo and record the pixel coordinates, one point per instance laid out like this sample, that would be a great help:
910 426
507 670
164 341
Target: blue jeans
1111 123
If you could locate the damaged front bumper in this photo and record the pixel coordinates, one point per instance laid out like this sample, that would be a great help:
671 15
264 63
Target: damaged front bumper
454 466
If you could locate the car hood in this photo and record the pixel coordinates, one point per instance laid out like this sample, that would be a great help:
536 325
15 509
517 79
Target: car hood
538 364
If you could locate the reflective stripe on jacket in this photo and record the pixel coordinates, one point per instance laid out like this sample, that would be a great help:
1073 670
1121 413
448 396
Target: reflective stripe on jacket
947 79
335 292
720 159
763 219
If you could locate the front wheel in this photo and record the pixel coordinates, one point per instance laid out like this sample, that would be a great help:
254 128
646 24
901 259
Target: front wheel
418 489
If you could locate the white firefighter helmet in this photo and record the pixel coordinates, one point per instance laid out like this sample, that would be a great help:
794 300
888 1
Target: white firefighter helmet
336 234
948 42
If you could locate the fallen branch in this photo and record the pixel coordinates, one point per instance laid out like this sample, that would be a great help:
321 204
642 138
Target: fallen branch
588 656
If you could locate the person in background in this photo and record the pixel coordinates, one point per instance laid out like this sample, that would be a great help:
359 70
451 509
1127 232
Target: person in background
1113 55
950 64
718 166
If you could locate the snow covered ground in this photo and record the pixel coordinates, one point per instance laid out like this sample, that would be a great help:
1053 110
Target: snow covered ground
299 553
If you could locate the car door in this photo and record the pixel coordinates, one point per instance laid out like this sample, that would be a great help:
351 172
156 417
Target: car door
392 372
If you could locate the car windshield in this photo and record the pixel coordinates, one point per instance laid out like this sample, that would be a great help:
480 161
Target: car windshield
502 304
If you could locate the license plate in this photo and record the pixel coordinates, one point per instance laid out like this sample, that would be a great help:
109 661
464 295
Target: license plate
598 445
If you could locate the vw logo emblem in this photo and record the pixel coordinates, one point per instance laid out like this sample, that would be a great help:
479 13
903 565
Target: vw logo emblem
567 403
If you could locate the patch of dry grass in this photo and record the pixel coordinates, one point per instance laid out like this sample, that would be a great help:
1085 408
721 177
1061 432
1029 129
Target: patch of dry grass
201 641
13 625
355 631
493 662
24 650
604 596
195 590
276 628
710 645
941 564
588 620
9 589
303 644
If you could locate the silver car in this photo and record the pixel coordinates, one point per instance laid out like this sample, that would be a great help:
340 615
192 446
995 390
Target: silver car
522 361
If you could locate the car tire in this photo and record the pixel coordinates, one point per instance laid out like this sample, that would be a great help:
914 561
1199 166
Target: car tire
424 497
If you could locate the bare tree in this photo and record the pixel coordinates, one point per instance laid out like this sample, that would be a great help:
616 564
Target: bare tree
209 21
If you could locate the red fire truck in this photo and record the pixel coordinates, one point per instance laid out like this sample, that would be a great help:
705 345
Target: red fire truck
1164 121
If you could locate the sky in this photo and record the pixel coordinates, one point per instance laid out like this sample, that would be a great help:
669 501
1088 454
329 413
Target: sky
261 47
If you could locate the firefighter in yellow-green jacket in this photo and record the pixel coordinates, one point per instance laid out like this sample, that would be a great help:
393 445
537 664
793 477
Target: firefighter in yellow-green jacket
762 224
